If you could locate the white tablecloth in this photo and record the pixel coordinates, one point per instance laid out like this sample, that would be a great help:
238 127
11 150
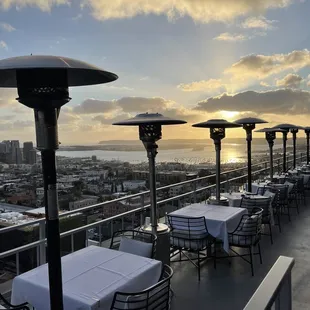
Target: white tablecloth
235 198
220 219
258 188
91 276
235 201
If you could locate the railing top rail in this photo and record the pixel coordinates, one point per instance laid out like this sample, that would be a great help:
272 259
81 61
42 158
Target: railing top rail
119 216
106 203
266 294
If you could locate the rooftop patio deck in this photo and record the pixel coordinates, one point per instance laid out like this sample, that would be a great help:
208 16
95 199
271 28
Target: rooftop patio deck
227 287
231 287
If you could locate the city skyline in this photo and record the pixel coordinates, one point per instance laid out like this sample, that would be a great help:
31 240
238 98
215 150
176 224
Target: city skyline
193 60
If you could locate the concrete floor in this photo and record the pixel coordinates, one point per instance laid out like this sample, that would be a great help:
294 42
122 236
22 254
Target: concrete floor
230 287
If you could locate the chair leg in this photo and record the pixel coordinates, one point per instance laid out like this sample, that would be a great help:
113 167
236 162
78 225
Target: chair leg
270 232
288 213
297 205
198 265
279 222
251 260
180 255
260 253
214 256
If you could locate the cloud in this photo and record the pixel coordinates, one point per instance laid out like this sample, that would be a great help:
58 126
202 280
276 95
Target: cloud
44 5
110 120
261 66
7 27
130 106
280 101
231 37
249 69
264 84
210 85
3 45
290 80
203 11
93 106
259 22
77 17
126 107
23 124
142 104
67 117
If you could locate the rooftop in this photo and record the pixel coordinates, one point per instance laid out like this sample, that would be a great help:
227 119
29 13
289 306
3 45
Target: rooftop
229 286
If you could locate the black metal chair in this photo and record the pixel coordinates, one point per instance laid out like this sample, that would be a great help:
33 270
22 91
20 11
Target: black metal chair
190 234
156 297
282 199
301 192
247 235
292 193
23 306
136 242
263 203
276 207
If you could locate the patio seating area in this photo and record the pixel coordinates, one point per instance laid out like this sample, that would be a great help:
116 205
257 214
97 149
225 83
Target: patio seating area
231 286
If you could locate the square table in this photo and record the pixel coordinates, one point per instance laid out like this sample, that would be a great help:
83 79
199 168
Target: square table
91 276
220 219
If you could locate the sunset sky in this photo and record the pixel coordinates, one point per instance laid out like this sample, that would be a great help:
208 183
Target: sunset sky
190 59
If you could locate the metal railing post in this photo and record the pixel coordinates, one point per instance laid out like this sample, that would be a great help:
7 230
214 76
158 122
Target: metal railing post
195 194
42 247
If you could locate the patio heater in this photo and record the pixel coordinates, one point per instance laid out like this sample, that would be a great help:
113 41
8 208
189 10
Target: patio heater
294 130
270 136
307 132
42 84
248 125
149 133
217 133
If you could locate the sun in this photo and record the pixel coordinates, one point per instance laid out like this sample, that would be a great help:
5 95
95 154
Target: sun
229 114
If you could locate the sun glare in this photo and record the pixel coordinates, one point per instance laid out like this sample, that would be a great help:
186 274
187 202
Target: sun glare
229 114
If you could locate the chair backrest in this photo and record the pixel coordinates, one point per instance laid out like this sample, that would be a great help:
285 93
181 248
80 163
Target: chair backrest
282 192
270 194
252 203
156 297
250 225
135 242
188 227
306 179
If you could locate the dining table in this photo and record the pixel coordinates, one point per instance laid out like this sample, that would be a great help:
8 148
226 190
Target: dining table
90 276
220 220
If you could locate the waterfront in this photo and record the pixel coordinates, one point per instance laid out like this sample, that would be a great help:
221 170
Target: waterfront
230 153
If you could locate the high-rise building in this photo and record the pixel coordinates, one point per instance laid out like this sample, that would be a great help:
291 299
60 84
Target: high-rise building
28 146
16 152
2 148
32 157
8 145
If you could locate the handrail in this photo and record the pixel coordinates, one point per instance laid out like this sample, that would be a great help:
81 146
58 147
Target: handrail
276 281
122 215
102 204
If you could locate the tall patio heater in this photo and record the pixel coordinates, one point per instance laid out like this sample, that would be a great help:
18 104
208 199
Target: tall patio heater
307 132
294 131
149 133
42 84
217 133
270 136
248 125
